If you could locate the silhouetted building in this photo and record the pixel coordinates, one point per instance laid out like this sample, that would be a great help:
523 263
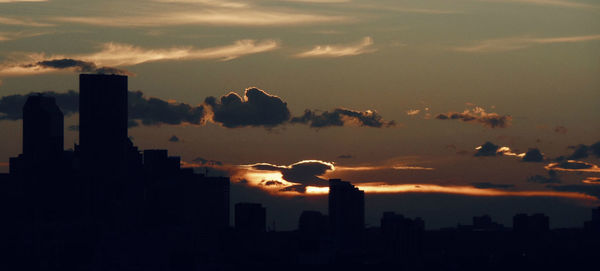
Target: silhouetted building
43 125
313 223
485 223
103 123
524 223
346 215
402 238
594 224
250 217
42 130
158 163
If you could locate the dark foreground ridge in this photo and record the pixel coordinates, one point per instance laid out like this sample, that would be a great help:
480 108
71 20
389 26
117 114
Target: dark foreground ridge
108 206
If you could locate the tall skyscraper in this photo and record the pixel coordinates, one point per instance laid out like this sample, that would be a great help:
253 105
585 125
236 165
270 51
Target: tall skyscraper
103 123
42 132
346 214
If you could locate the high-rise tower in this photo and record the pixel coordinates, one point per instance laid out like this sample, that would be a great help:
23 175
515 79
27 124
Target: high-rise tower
43 125
346 214
103 123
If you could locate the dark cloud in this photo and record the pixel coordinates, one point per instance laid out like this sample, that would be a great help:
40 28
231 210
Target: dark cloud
11 106
492 120
552 178
342 117
560 130
256 108
487 149
345 156
572 165
154 111
77 65
174 138
533 155
148 111
203 161
486 185
305 173
581 151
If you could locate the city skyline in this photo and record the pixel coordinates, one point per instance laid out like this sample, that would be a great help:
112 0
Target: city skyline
395 97
106 204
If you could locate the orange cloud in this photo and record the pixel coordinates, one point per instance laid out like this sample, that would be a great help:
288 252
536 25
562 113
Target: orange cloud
325 51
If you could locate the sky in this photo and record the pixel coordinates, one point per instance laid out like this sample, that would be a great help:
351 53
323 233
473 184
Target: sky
439 109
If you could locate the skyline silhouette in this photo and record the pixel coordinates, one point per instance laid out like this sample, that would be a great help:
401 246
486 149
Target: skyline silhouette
108 206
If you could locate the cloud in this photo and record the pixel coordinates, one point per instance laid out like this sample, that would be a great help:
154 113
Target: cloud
21 22
8 36
203 161
583 151
573 166
256 108
487 185
558 3
478 114
591 180
490 149
174 138
345 156
552 178
560 130
319 1
210 3
18 1
342 117
11 106
118 54
329 51
249 17
155 111
301 174
487 149
412 112
517 43
78 66
147 110
592 190
533 155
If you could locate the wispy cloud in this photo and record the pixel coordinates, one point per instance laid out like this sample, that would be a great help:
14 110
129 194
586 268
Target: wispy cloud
210 3
362 47
22 22
220 17
558 3
17 1
7 36
516 43
118 54
319 1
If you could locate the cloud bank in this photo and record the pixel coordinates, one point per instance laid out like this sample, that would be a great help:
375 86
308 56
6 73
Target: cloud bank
342 117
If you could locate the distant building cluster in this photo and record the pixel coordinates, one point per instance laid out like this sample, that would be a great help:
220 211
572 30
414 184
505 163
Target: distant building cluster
106 205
